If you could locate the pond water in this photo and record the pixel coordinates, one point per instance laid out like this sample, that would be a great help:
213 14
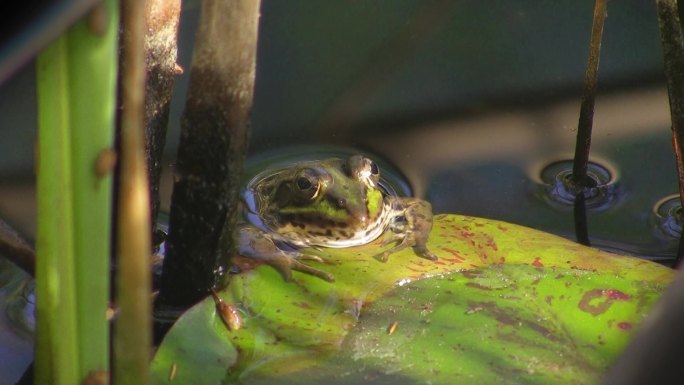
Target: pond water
492 166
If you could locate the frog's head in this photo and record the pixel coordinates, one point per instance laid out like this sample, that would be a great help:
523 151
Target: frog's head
323 202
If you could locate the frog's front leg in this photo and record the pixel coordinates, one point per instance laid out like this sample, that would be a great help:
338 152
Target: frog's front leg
256 244
415 232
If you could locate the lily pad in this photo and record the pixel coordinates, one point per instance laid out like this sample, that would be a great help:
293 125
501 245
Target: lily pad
504 304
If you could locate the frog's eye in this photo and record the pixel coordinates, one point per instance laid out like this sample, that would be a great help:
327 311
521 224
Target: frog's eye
374 169
303 183
307 184
363 169
373 173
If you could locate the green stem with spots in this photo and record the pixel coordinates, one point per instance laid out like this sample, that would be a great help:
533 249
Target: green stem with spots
76 78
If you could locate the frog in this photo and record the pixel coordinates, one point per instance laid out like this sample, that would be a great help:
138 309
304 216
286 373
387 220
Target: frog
329 203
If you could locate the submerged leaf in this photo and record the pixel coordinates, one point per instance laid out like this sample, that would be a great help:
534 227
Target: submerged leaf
503 304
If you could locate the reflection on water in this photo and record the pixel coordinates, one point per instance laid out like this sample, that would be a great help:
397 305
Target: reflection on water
667 217
557 185
490 165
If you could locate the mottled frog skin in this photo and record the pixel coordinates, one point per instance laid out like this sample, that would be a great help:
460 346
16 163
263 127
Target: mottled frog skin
329 203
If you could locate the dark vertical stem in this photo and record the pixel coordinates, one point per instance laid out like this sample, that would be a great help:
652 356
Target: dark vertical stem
161 20
586 118
680 252
214 132
580 181
677 147
580 213
673 52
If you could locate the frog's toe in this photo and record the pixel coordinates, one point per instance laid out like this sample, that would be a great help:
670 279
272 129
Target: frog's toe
393 238
383 257
420 250
423 252
309 257
324 275
283 265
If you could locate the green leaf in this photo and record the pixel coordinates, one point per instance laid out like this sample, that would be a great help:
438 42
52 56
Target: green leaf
504 304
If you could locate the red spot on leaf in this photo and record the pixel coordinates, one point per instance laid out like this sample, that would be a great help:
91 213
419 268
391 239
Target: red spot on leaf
537 262
478 286
492 244
625 325
458 257
598 301
616 295
303 305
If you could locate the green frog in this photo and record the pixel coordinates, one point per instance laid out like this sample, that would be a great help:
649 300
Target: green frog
329 203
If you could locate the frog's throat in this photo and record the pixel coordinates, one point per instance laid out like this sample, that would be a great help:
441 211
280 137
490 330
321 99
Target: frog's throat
337 238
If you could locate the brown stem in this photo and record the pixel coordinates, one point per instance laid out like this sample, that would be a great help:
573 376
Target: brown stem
161 20
214 132
17 249
673 52
586 117
132 329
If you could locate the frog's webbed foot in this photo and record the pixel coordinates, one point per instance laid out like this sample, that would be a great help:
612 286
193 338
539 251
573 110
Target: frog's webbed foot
257 245
421 250
285 262
414 233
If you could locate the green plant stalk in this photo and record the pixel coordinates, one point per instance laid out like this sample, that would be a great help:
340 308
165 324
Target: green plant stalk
92 132
76 96
56 328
